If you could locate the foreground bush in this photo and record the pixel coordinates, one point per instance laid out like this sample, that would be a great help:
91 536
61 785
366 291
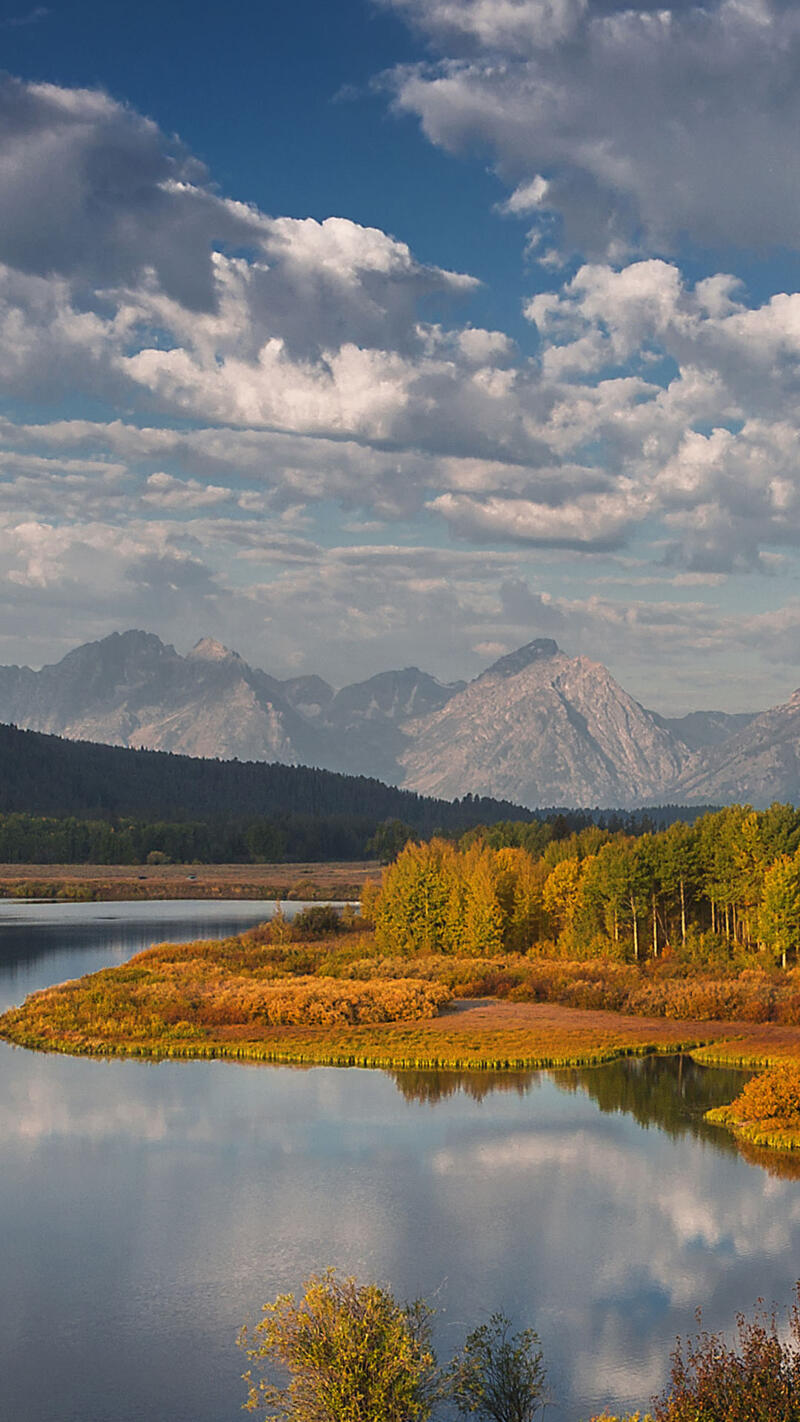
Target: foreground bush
350 1352
755 1379
498 1376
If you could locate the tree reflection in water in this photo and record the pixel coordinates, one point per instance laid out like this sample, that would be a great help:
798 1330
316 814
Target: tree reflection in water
671 1093
428 1087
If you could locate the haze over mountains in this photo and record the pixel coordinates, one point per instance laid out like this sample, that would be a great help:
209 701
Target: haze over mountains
537 727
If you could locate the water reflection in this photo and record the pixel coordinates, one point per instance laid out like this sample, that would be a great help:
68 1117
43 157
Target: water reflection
670 1092
146 1211
430 1087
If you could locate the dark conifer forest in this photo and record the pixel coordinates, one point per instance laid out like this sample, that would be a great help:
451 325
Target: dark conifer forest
77 802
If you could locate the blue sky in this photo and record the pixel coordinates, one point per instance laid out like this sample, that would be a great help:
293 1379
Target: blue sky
404 331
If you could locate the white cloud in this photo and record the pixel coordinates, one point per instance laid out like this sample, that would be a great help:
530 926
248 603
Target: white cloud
297 376
646 125
599 521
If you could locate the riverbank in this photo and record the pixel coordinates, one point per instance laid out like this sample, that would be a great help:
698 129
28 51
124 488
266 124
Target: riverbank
315 991
469 1035
95 883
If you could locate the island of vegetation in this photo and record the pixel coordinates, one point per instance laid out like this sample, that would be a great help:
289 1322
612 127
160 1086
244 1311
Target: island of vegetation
509 948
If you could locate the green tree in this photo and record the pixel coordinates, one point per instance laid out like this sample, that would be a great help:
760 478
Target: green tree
411 908
350 1353
678 870
388 839
779 919
499 1376
605 887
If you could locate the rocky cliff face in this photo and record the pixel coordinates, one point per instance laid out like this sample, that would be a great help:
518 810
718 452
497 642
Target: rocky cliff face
133 690
542 728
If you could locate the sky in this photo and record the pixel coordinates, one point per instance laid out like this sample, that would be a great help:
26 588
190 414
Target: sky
394 332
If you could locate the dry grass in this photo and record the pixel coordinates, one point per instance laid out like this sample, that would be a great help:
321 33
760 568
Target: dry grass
98 882
476 1035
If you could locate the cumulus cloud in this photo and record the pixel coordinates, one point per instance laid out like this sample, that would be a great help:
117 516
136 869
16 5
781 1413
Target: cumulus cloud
635 126
271 368
92 191
115 247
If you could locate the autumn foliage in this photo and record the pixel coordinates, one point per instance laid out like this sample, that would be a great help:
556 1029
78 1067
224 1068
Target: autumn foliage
726 889
177 992
349 1351
767 1110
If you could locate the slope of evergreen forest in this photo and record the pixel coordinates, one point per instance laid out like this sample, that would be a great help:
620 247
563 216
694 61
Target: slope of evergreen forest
78 802
41 774
109 804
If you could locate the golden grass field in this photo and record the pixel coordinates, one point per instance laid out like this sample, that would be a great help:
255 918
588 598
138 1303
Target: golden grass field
89 882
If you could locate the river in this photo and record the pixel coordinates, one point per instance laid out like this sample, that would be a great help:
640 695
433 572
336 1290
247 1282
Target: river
148 1210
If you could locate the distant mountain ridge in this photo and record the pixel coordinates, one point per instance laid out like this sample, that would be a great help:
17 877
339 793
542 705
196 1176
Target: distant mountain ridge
537 727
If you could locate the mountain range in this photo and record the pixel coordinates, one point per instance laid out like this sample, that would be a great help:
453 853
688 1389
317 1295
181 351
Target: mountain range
537 727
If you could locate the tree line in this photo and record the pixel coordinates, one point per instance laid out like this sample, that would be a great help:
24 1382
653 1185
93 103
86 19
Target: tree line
76 802
46 775
726 886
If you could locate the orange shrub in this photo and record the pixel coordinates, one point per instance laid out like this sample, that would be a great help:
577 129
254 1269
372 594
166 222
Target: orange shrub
771 1097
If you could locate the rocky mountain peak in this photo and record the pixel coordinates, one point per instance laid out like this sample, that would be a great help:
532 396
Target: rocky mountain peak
208 649
540 650
120 647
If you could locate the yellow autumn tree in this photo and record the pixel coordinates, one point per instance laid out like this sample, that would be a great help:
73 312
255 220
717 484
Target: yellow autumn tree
474 919
561 894
520 884
411 909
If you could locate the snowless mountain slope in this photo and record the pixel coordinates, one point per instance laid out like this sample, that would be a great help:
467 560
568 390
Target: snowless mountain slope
554 729
757 765
131 689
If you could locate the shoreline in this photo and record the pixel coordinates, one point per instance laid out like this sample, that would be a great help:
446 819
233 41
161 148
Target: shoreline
479 1035
101 883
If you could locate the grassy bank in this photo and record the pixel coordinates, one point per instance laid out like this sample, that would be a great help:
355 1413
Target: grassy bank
302 993
474 1037
90 883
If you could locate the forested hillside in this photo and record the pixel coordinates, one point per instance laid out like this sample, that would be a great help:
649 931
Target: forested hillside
74 801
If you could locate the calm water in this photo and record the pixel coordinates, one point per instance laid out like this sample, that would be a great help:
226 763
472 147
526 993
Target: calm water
147 1210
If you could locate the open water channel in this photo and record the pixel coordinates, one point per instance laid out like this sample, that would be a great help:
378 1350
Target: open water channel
147 1210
